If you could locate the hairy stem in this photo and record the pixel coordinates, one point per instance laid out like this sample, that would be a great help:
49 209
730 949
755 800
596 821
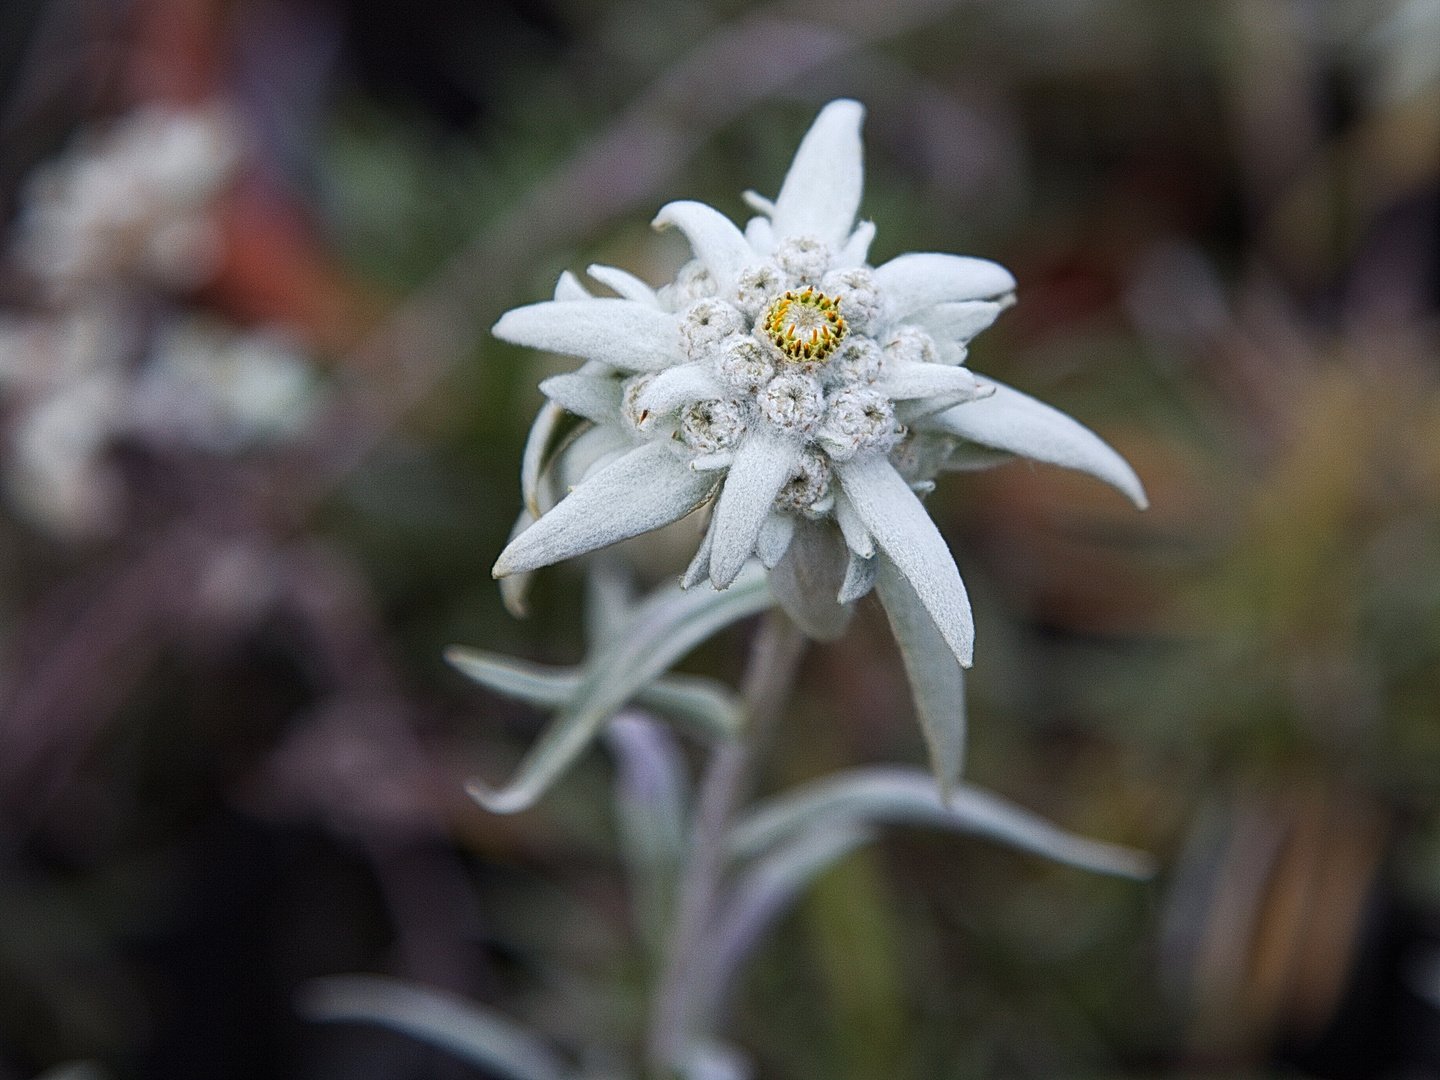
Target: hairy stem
774 659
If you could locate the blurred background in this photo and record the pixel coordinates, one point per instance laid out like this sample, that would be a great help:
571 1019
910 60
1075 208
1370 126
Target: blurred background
258 453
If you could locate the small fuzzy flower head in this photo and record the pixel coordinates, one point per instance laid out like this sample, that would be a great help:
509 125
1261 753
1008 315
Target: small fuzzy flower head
708 322
781 376
857 295
911 345
808 489
793 403
756 286
636 417
744 363
712 427
858 362
806 327
803 260
858 418
693 282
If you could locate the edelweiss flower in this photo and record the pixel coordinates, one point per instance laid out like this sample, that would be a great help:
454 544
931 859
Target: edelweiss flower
808 394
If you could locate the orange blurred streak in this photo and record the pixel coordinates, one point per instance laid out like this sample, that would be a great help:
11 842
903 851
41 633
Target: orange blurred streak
276 270
176 51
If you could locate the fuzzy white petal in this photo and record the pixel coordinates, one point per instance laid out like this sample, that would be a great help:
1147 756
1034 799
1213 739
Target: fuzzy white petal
921 280
1015 422
959 320
904 531
625 283
713 237
621 333
680 385
643 490
699 568
857 537
764 461
758 202
807 580
569 288
859 579
857 248
822 190
936 680
760 236
595 397
901 380
774 539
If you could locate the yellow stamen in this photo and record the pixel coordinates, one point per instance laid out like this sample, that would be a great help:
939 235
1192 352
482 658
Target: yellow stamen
805 326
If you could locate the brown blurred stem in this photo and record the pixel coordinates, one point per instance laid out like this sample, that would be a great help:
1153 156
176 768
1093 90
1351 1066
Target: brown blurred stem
774 658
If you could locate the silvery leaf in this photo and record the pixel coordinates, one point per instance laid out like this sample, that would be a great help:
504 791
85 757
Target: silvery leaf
937 681
902 796
664 629
769 886
713 237
883 501
595 397
470 1031
705 705
650 798
921 280
821 191
514 587
643 489
1014 422
620 333
859 578
625 283
807 580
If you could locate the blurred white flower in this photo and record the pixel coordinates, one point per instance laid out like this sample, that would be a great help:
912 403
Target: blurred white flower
810 395
208 386
132 204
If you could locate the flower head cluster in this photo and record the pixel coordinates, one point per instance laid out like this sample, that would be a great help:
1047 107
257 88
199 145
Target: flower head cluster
809 395
123 218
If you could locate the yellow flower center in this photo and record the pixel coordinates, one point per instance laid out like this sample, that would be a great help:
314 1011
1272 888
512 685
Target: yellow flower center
805 326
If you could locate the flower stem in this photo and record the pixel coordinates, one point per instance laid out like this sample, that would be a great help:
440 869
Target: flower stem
774 658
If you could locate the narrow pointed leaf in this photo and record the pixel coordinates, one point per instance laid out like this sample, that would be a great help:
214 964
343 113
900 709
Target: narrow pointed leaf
808 579
664 629
679 385
626 284
513 589
539 685
620 333
959 320
857 248
775 536
903 379
898 521
713 237
921 280
646 488
900 796
470 1031
859 578
769 887
595 397
568 287
1015 422
822 190
709 707
764 461
937 681
650 798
